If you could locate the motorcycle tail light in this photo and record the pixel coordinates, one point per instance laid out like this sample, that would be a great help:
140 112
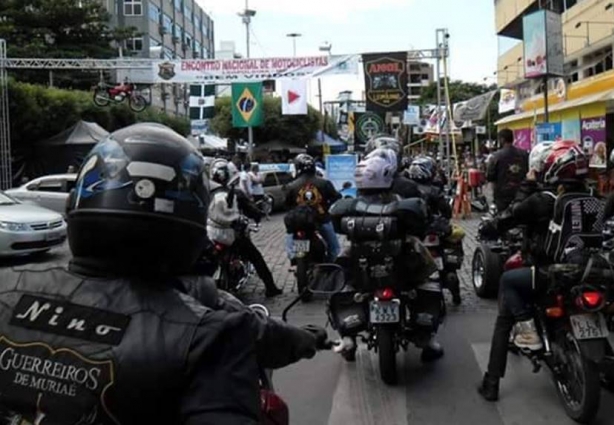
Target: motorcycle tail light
274 409
219 247
590 300
514 262
557 311
300 234
385 294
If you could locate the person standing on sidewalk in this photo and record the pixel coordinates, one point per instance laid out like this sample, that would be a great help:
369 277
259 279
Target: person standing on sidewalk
506 170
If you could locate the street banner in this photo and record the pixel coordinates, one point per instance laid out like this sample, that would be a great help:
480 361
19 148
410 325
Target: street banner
386 81
474 109
549 132
593 141
507 101
247 105
340 171
522 138
226 71
202 101
412 115
294 96
543 44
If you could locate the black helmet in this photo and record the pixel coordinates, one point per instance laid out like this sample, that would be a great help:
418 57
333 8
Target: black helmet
383 141
140 202
304 164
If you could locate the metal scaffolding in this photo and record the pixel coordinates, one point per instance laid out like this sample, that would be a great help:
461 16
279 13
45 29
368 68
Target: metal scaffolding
84 64
6 175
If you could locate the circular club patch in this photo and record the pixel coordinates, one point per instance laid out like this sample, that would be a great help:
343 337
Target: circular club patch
145 189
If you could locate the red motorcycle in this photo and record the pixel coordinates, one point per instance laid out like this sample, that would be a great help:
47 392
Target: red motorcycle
105 93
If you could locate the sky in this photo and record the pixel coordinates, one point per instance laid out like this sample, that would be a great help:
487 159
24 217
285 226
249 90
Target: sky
363 26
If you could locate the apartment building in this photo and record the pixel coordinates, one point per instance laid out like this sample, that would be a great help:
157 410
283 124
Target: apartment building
171 29
420 76
583 98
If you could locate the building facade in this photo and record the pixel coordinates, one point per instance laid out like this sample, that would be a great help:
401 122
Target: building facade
171 29
420 76
583 98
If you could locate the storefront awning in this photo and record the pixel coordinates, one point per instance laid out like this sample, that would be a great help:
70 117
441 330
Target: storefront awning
586 100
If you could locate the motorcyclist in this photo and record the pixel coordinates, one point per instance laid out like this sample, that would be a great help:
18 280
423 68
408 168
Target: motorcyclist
113 338
375 176
423 171
225 211
318 194
554 169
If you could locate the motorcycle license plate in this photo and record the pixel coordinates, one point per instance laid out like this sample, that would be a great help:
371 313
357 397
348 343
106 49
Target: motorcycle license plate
589 326
301 246
384 312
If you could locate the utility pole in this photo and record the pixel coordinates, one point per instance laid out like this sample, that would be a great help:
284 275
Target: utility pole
247 16
294 36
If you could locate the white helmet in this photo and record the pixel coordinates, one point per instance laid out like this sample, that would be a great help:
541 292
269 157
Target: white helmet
538 155
376 170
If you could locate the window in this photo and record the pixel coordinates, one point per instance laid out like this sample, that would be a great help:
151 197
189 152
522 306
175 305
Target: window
197 47
168 24
178 31
188 40
134 44
204 27
197 23
133 7
155 48
269 180
187 11
284 178
49 186
205 52
178 5
154 13
168 53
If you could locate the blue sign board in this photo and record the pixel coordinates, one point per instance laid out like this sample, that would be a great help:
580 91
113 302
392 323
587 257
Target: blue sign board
340 171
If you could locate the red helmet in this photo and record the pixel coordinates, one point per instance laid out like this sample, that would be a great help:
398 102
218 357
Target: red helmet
566 161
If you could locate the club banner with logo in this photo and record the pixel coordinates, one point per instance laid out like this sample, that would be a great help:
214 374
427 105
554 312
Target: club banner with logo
386 81
473 109
294 97
247 105
367 125
226 71
202 101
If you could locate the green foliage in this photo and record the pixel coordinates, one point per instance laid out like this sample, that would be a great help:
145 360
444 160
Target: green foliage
59 29
38 112
297 130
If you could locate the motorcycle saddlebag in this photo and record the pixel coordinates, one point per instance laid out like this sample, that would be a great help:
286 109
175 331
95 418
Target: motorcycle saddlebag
346 316
369 228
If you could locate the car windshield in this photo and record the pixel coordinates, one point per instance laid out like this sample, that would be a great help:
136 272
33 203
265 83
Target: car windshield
6 200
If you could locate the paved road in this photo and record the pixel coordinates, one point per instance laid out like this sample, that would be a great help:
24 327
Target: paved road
326 390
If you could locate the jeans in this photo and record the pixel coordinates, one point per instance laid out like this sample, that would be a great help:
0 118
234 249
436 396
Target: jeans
515 291
328 233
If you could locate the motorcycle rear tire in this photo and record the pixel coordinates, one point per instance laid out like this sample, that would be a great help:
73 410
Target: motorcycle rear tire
493 268
101 97
137 103
387 354
589 405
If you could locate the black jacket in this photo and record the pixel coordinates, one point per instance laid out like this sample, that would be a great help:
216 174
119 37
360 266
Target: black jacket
313 191
405 187
436 200
507 170
82 348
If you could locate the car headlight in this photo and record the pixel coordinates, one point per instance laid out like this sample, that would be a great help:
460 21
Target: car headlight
14 227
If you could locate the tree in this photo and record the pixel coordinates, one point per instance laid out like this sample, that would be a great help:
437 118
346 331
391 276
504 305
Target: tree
59 29
461 91
298 130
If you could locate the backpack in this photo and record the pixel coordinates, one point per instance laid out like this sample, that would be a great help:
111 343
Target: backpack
576 225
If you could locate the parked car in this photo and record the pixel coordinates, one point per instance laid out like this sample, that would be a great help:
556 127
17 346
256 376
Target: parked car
48 191
274 184
28 229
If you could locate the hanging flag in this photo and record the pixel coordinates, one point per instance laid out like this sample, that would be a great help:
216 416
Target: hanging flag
202 101
247 104
294 97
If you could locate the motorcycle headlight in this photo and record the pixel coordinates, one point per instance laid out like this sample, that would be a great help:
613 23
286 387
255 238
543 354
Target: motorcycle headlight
14 227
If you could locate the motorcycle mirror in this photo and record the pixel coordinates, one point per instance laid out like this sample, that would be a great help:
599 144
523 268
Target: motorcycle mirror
327 279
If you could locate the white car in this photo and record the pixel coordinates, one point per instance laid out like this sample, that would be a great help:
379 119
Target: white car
48 191
28 229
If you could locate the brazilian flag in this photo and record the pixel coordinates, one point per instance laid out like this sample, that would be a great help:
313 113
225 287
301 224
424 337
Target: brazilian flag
247 105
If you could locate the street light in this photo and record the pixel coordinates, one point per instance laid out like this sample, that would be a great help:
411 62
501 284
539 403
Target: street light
326 47
247 16
294 36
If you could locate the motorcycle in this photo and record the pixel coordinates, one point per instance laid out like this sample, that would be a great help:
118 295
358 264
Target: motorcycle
104 94
233 271
448 256
380 304
571 322
491 254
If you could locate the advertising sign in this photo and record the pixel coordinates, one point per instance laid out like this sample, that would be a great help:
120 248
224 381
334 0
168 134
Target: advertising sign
226 71
543 44
522 138
571 130
593 141
386 81
507 101
412 115
552 131
340 171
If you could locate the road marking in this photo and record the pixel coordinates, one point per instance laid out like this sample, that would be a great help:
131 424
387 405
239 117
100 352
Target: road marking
361 398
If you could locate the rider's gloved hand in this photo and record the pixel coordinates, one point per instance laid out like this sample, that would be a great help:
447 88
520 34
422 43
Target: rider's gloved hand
322 342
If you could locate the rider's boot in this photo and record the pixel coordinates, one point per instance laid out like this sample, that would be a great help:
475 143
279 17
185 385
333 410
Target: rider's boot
432 351
527 336
489 388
